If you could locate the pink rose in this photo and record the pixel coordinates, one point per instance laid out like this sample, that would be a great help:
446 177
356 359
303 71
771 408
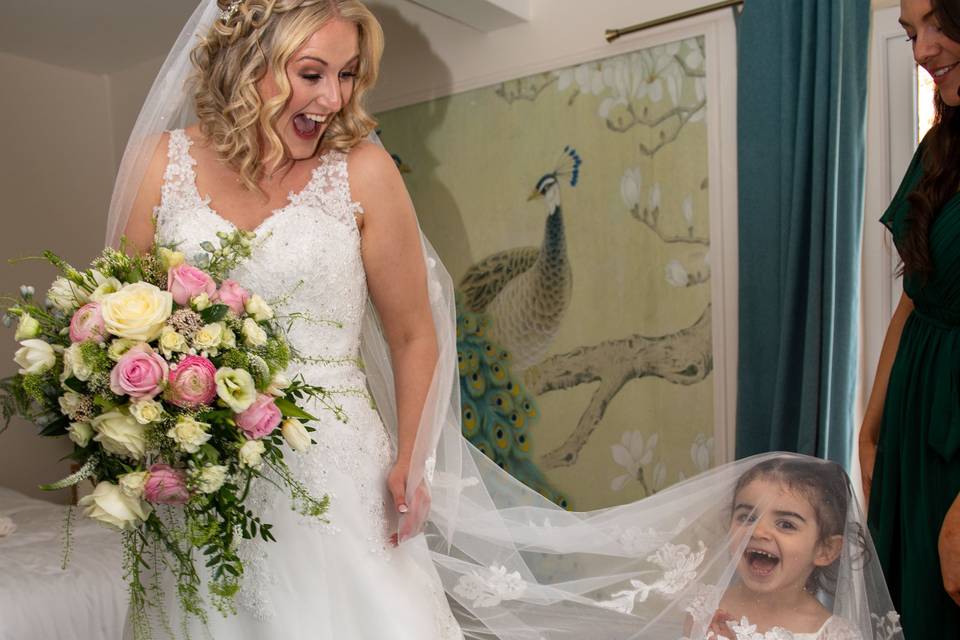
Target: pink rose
140 373
186 282
232 295
87 323
165 485
192 383
260 419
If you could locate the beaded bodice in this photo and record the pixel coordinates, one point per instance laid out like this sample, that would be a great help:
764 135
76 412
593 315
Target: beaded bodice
305 261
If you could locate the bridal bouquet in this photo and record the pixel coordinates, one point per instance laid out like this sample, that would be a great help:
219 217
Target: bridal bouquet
168 378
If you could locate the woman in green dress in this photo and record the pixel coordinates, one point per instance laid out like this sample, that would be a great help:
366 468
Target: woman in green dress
910 437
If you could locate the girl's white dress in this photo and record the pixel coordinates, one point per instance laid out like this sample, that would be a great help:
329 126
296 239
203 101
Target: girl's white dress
341 580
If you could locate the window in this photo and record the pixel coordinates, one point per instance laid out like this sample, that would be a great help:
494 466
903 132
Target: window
924 102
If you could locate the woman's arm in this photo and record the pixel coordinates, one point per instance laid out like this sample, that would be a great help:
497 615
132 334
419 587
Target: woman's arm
870 429
139 231
397 280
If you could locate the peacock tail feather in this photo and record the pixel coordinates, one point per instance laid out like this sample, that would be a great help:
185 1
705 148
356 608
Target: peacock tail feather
497 411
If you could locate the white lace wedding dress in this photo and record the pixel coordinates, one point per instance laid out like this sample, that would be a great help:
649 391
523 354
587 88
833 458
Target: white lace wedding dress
341 580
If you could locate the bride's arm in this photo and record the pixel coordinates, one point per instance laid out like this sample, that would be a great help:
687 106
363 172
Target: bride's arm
139 231
397 280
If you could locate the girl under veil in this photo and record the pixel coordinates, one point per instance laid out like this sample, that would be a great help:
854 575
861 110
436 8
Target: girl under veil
278 84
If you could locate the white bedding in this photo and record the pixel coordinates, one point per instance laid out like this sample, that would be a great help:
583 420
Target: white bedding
41 601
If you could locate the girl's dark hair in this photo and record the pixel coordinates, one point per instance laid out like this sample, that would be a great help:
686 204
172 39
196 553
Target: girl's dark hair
941 171
826 485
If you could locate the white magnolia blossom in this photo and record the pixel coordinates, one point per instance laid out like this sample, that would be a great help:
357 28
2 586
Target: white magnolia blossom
632 453
630 187
676 274
687 209
701 451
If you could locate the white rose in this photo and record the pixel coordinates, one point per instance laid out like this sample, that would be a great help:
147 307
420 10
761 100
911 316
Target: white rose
110 505
251 452
70 402
278 383
146 411
27 328
119 347
65 295
137 311
35 356
171 342
74 363
120 434
211 478
295 434
228 340
105 286
80 433
170 259
200 302
258 308
208 337
132 484
253 333
189 434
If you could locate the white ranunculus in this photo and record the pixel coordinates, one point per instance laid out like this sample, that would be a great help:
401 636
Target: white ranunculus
70 402
119 347
74 362
80 433
251 452
170 259
27 328
34 356
172 342
146 410
105 286
65 295
137 311
295 434
278 383
676 274
209 336
258 308
253 334
108 504
120 434
132 483
189 433
211 478
236 388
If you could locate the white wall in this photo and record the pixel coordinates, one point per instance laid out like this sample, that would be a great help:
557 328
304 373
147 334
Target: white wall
56 171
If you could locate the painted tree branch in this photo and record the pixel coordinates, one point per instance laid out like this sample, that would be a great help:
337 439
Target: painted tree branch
684 357
651 218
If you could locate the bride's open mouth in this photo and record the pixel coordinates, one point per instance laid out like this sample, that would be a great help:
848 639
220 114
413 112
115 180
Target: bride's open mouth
761 563
308 124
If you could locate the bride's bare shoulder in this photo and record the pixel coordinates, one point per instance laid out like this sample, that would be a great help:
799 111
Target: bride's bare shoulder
139 227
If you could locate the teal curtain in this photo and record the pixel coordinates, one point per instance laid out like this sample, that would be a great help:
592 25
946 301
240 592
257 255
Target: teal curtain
802 78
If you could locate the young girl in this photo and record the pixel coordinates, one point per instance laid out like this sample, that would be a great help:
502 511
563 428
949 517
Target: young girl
793 514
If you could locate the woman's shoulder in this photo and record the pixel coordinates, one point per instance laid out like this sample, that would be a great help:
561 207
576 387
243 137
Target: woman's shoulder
373 174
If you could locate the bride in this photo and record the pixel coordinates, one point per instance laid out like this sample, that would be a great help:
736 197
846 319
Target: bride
256 122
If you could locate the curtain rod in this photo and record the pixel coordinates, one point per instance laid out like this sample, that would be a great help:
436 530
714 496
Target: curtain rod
613 34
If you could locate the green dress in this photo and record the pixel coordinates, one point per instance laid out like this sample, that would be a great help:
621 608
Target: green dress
917 473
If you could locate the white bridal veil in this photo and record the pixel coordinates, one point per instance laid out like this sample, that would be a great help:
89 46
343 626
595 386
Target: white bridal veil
514 565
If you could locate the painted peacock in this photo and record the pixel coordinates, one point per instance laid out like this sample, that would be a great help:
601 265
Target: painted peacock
510 307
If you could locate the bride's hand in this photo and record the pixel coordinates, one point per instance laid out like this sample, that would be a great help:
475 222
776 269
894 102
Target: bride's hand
413 510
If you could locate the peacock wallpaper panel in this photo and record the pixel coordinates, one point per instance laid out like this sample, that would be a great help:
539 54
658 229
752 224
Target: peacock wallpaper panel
572 210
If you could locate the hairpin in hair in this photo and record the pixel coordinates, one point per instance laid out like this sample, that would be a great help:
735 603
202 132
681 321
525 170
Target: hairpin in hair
226 14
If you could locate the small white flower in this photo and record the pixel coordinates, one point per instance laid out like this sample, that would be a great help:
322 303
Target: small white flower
630 185
171 342
631 454
295 434
108 504
65 295
189 433
74 362
701 451
105 286
200 302
27 328
170 259
687 208
228 339
146 411
251 453
80 433
34 356
278 383
211 478
132 483
258 308
70 402
676 274
655 197
253 334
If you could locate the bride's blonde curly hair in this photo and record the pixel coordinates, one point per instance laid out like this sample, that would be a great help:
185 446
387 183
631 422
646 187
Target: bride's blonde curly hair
258 37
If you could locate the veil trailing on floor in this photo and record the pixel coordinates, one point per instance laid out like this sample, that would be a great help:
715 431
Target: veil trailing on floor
514 565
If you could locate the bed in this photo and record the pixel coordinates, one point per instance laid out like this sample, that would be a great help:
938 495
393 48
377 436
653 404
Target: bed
41 601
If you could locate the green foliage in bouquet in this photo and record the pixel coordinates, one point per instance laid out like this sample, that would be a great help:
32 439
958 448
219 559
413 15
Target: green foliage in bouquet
169 379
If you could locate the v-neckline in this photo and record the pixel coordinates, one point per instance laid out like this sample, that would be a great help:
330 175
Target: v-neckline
292 196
